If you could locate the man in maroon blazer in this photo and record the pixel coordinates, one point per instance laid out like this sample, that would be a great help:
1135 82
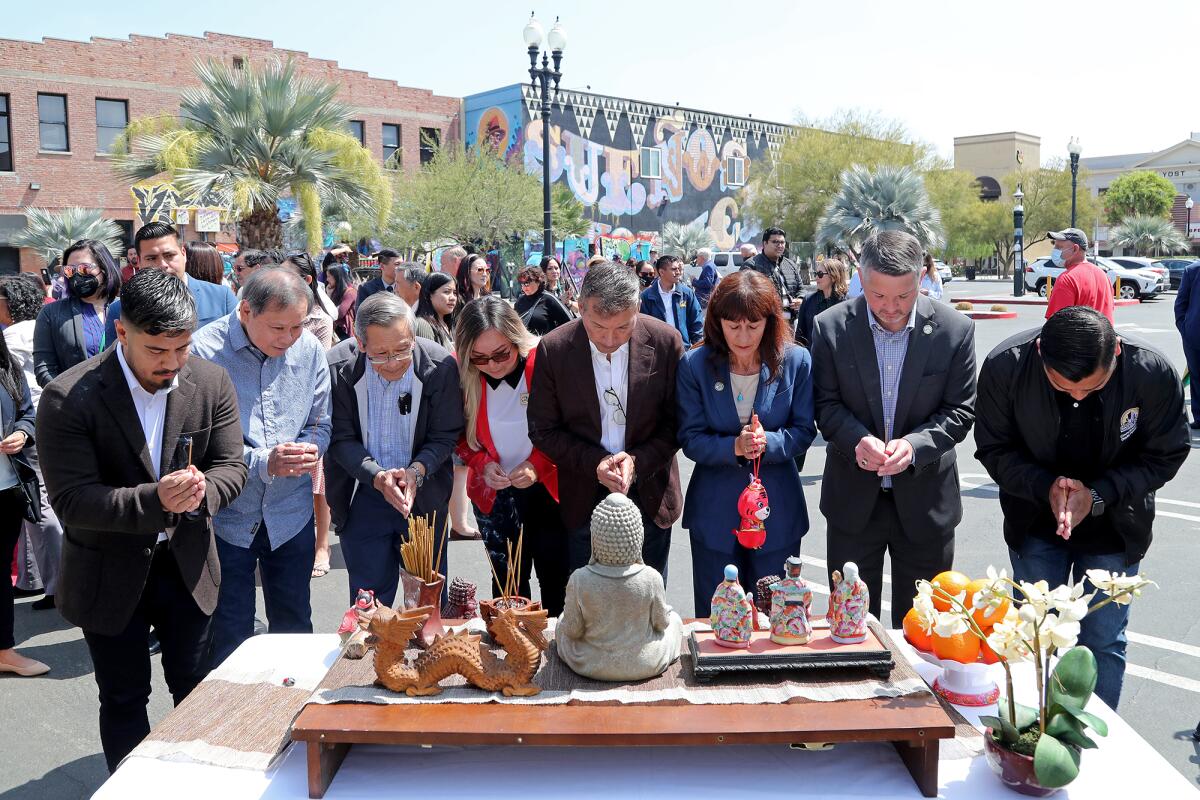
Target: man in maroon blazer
602 406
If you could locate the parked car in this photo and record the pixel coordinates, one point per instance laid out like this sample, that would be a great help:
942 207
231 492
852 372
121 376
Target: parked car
725 263
1175 268
1138 262
1135 284
943 271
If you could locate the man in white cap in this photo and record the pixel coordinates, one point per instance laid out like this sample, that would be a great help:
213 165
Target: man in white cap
1083 283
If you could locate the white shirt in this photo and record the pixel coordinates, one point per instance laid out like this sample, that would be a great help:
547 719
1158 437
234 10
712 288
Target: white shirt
612 373
508 423
934 287
668 302
151 411
19 338
855 288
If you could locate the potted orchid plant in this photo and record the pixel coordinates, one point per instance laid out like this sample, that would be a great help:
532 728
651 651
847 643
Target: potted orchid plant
1034 750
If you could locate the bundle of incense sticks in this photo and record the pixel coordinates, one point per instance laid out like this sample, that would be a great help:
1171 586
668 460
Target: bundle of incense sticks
512 578
418 552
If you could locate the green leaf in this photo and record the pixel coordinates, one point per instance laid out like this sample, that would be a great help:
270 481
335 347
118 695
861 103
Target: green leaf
1091 720
1002 729
1026 716
1055 763
1069 730
1074 678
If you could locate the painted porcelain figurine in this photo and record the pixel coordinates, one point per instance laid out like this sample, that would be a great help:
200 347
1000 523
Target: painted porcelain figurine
848 601
791 600
732 616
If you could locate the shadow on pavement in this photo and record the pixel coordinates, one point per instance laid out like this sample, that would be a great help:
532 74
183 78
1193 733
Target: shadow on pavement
75 779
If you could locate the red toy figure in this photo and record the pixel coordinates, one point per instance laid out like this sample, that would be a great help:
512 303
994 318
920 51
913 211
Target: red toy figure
364 602
754 508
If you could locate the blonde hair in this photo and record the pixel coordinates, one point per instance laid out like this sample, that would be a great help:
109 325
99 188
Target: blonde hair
837 275
477 317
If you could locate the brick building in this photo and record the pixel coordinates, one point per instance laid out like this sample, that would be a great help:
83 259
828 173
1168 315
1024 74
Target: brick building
63 102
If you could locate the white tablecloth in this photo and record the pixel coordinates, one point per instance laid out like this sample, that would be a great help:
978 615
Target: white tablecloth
1124 765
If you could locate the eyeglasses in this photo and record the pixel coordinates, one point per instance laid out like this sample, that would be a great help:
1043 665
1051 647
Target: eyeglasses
402 355
527 282
81 269
820 274
499 356
779 242
614 401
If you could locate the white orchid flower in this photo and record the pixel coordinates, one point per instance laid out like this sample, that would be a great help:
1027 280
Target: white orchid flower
1036 594
948 623
1073 610
1006 642
1063 634
1028 613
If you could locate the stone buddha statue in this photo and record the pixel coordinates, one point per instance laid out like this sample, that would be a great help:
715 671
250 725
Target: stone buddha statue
616 624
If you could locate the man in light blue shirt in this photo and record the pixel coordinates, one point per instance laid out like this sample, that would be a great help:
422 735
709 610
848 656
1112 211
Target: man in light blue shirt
282 382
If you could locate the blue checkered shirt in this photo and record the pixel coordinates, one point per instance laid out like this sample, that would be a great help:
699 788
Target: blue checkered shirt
890 349
388 431
281 399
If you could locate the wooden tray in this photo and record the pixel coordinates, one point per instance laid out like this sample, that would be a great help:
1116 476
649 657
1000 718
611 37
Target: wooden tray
913 724
711 660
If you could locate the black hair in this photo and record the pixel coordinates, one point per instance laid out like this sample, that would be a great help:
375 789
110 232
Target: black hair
1077 341
276 256
255 258
204 262
425 309
110 281
12 377
769 232
463 279
303 264
341 282
151 231
25 299
386 254
662 263
157 302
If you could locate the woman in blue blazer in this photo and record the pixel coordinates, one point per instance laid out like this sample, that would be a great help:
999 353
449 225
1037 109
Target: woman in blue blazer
748 365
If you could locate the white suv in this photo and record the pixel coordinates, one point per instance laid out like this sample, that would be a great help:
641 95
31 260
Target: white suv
1135 284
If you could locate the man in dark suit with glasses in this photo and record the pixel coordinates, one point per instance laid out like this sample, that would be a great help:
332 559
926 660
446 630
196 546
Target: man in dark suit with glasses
397 416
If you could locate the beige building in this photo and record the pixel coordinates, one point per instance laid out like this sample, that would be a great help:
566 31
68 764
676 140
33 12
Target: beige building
991 156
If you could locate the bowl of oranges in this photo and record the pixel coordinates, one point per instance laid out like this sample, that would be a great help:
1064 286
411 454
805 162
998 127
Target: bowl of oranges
966 660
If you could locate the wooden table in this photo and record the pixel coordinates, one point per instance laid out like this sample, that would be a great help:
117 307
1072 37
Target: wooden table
913 724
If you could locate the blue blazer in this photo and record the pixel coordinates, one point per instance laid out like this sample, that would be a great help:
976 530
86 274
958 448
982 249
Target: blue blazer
369 288
687 319
1187 307
213 301
708 425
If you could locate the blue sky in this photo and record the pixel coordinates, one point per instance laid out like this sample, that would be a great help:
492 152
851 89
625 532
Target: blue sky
1121 76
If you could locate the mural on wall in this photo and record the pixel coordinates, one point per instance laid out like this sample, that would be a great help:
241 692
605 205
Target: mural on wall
596 149
157 201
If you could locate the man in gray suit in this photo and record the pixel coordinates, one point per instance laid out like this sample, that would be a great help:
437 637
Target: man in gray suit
894 387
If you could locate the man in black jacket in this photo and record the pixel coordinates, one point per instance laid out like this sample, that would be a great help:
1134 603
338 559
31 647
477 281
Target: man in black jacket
783 272
1079 428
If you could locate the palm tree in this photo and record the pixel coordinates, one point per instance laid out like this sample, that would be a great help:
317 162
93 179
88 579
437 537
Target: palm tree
886 199
49 233
570 220
684 240
249 136
1147 235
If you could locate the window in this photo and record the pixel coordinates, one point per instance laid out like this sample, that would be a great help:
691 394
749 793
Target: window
391 145
431 138
735 171
358 131
52 123
111 118
239 62
6 159
651 162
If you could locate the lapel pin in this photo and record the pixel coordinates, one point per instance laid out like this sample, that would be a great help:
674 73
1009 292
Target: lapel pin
720 387
928 329
524 398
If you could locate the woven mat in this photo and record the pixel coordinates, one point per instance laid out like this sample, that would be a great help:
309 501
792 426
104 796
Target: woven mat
354 682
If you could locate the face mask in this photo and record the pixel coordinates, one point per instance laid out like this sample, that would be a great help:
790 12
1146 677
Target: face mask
84 285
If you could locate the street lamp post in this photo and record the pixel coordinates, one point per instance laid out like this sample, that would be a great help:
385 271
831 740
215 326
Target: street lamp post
1019 243
1074 149
1188 230
541 77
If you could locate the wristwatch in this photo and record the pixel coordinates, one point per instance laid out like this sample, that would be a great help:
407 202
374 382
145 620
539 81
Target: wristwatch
1097 503
418 474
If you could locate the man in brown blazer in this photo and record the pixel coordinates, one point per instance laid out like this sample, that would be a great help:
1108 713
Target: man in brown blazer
141 447
602 406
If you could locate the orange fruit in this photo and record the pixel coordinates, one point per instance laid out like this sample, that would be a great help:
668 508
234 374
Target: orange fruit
983 617
952 583
915 634
987 655
961 647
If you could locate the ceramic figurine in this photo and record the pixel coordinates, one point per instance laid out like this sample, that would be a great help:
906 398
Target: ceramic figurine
762 593
616 624
791 600
352 632
848 601
732 617
461 602
754 508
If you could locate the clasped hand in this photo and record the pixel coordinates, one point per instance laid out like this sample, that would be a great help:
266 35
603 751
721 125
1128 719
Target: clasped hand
182 491
522 476
752 441
291 459
1071 503
892 458
615 472
398 489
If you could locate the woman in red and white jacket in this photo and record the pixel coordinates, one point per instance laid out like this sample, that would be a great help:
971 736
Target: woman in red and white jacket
512 485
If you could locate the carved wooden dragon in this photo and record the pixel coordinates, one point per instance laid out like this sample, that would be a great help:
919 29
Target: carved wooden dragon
520 633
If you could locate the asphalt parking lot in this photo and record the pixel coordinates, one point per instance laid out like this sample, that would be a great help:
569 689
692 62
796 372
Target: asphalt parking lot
51 746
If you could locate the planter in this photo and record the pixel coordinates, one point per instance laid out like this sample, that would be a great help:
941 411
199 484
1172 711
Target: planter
1013 769
489 608
431 595
970 273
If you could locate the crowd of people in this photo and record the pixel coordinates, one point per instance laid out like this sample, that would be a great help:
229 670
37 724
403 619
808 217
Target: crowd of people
183 429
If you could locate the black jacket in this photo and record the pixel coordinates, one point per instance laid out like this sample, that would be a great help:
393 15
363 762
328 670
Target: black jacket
785 275
1144 439
813 305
